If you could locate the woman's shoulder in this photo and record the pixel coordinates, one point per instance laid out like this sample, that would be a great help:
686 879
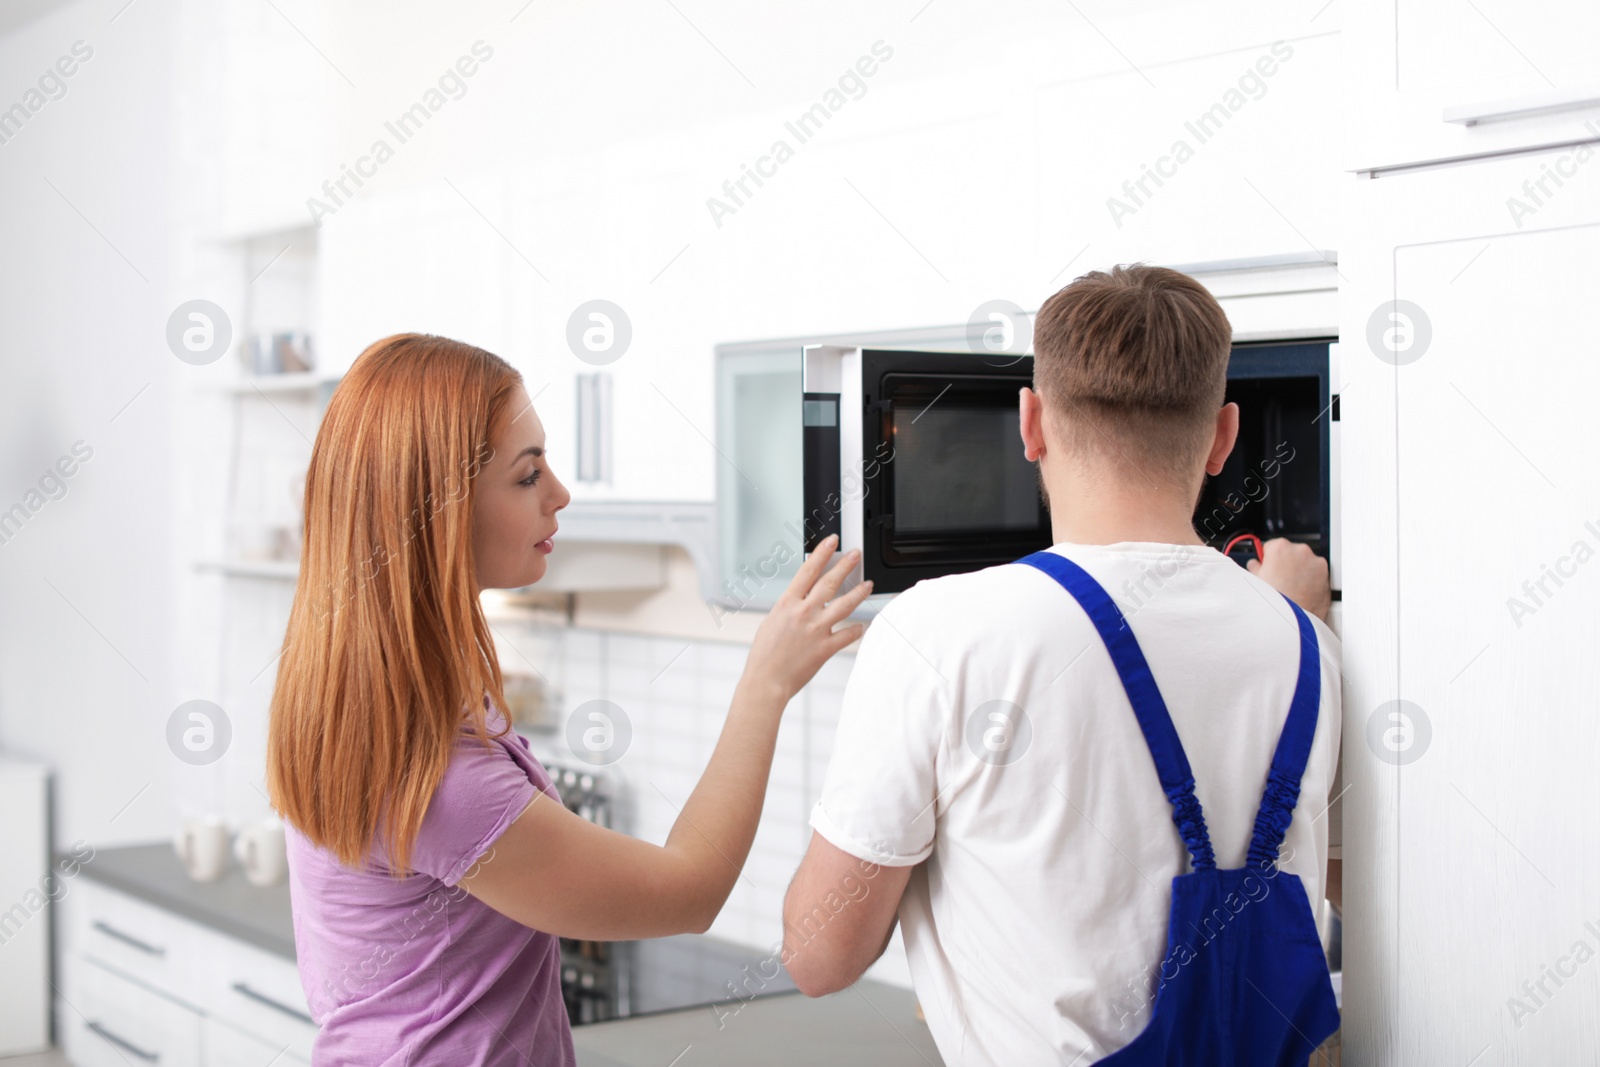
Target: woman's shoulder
490 738
488 782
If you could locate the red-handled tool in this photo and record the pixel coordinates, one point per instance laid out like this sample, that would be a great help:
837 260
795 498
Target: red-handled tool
1255 543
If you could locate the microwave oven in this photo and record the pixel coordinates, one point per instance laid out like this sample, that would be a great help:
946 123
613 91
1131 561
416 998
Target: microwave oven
916 458
1278 480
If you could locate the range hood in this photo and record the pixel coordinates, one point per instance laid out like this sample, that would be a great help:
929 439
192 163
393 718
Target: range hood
622 545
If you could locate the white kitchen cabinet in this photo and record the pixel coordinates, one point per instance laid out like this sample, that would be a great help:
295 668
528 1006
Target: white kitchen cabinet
1524 68
1230 154
425 258
625 225
256 108
1471 524
26 886
138 982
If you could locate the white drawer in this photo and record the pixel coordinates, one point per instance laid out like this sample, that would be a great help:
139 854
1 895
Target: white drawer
116 1022
226 1047
150 944
260 993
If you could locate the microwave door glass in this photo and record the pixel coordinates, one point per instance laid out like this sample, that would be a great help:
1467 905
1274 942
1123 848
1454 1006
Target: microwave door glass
961 469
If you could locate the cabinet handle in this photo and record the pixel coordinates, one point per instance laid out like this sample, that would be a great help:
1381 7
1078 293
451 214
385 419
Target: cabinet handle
1521 107
124 1044
129 939
261 998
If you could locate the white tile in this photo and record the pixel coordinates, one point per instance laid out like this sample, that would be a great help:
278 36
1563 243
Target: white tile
676 757
582 645
788 775
633 650
722 659
580 680
716 691
675 679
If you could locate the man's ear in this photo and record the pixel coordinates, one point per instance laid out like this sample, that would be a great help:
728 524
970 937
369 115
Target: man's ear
1227 432
1030 408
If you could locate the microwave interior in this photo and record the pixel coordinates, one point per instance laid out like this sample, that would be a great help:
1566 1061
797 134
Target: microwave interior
1276 481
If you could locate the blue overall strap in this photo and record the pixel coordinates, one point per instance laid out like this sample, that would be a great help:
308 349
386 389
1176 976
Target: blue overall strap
1172 766
1294 749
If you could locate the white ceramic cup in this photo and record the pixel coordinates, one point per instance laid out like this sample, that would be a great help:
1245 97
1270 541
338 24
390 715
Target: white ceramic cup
259 848
202 847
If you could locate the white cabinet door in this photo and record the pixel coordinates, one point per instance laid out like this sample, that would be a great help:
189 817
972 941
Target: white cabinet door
1224 156
264 99
1414 60
429 258
225 1046
626 269
1471 592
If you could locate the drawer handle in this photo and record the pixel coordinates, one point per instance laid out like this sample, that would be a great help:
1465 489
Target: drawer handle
126 1045
1520 107
129 939
261 998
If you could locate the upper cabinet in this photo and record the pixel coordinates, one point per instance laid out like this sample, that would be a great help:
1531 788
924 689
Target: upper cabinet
1230 154
424 258
255 108
1451 79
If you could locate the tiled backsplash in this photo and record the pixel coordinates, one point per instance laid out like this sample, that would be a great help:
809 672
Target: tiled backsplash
675 693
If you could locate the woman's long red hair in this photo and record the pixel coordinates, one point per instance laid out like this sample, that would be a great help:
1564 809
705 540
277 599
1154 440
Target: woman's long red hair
388 654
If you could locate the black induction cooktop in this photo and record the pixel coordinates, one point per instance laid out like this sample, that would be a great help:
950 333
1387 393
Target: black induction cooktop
604 980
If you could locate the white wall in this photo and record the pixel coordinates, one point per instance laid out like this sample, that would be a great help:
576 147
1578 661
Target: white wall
86 591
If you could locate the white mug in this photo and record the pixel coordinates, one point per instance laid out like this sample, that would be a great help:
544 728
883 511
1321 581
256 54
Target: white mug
260 850
202 847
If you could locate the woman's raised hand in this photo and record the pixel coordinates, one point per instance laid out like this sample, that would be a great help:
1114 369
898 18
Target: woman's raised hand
797 637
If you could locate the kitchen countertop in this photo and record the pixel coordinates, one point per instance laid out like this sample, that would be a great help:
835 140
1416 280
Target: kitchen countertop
871 1024
231 905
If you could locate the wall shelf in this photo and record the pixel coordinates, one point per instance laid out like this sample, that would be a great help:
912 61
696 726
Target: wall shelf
280 383
276 570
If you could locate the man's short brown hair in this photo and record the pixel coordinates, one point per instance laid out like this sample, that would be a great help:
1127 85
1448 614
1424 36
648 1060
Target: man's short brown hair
1134 364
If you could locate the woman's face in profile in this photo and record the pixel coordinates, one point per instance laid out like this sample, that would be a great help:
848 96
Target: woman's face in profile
515 502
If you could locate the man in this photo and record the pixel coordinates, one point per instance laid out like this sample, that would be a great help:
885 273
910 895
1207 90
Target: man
990 783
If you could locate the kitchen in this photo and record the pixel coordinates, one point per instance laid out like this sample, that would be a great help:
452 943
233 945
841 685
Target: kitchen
692 229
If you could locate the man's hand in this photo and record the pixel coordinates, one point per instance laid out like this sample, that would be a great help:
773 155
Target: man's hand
1296 572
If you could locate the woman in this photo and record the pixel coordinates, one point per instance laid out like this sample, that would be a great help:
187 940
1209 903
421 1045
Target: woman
433 867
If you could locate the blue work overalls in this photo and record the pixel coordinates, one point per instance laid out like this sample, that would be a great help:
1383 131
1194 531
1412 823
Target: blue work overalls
1244 981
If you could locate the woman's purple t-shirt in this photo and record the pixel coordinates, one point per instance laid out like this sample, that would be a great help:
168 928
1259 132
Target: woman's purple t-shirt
413 970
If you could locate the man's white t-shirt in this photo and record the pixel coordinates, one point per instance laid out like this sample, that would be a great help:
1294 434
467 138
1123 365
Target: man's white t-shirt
1035 928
